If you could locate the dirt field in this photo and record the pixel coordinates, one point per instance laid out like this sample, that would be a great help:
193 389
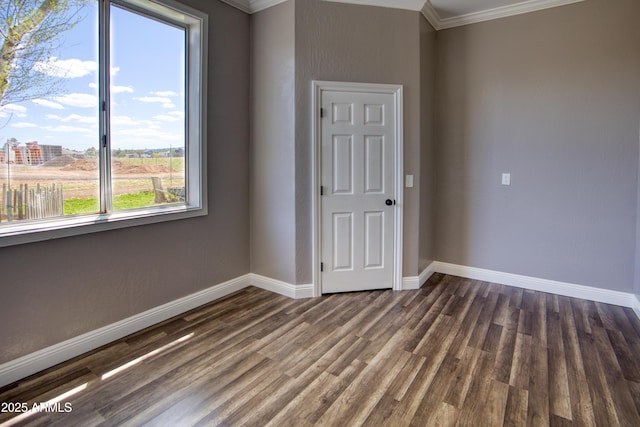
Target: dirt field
80 177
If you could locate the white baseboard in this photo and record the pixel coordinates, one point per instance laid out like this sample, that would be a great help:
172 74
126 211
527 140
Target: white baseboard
415 282
537 284
410 283
636 305
280 287
30 364
42 359
426 273
35 362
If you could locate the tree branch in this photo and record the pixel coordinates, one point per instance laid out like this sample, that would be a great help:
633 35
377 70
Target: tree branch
16 34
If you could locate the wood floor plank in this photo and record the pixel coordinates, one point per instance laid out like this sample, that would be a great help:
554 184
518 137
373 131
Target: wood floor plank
445 415
624 352
601 397
405 377
521 362
381 412
581 405
506 346
559 398
496 403
427 409
353 406
621 395
455 352
473 409
465 331
515 413
538 410
633 320
634 387
463 377
484 321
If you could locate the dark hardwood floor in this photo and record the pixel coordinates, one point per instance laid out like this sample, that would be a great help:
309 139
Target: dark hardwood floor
456 352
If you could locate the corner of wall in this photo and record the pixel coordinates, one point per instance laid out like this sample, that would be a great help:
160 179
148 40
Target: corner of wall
636 305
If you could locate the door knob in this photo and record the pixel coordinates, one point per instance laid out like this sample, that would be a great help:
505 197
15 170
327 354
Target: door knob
388 202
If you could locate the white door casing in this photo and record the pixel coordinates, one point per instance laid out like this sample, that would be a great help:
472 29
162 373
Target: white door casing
358 168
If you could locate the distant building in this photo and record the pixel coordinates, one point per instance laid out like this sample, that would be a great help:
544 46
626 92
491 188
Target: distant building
31 153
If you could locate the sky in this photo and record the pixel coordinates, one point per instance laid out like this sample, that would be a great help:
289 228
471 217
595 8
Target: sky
147 88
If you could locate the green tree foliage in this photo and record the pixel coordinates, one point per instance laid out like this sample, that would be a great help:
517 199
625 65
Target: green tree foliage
91 152
29 33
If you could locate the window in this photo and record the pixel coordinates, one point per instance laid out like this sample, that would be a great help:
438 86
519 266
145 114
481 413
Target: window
102 116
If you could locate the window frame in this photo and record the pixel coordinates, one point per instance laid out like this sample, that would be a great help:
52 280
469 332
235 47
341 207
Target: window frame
195 24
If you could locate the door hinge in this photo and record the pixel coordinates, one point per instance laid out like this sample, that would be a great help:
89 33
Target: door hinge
322 113
322 266
322 190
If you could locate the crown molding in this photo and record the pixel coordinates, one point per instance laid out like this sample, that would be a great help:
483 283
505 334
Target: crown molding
243 5
415 5
486 15
253 6
258 5
425 7
432 16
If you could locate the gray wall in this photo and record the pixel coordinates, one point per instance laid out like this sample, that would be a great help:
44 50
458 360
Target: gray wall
637 234
554 98
426 187
272 142
344 42
56 290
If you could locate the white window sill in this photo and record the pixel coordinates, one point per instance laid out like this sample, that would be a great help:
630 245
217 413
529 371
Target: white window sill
28 232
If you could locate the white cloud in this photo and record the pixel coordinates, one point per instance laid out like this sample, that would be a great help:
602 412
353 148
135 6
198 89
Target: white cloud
114 71
65 128
122 121
79 119
149 134
48 104
13 110
177 113
165 93
121 89
168 117
128 121
52 117
81 100
169 105
151 99
66 68
114 88
24 125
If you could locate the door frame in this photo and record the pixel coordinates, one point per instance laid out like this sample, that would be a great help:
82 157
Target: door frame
318 87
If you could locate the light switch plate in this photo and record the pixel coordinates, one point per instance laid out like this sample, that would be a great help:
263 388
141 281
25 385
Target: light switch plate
506 179
408 181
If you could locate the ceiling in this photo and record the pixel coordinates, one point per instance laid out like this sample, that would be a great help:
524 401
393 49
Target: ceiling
440 13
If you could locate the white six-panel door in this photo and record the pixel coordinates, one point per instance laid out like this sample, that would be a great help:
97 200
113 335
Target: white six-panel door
358 190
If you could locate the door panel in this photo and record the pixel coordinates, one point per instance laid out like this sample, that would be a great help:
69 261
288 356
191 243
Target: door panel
342 241
342 164
358 172
374 164
374 239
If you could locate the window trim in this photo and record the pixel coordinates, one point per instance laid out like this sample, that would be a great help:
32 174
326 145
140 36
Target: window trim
196 24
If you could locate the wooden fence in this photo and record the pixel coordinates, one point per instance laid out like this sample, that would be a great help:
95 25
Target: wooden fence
29 203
